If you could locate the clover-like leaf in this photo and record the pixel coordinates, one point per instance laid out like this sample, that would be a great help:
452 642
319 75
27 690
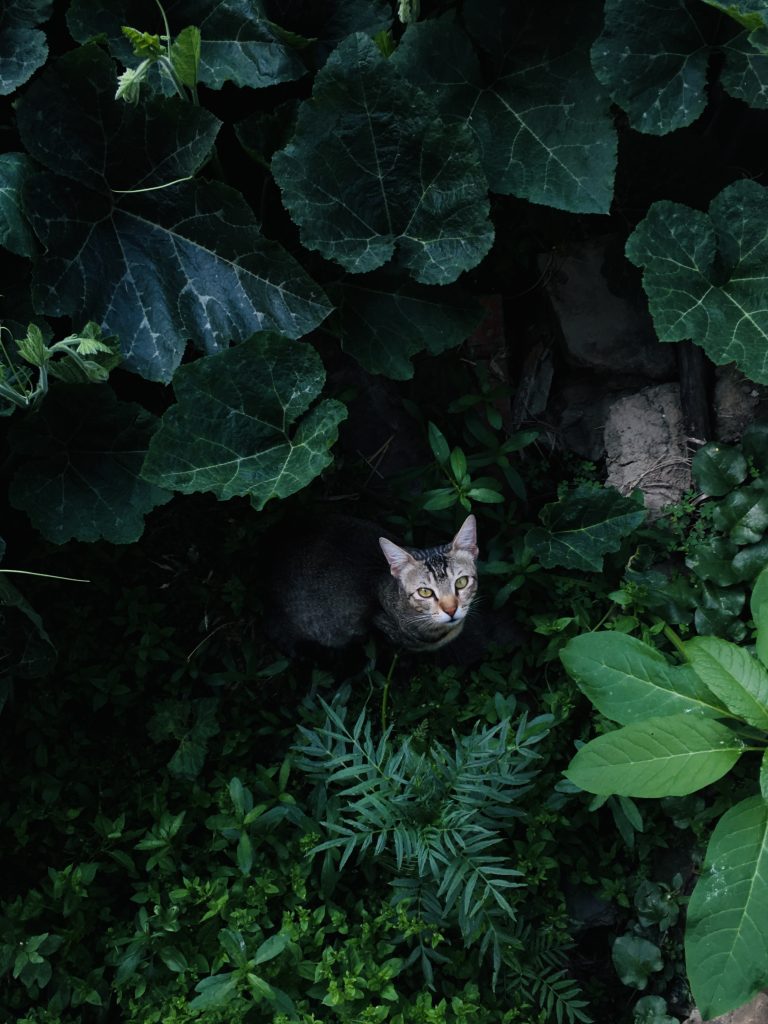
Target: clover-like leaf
705 274
580 529
384 324
80 456
542 125
23 46
242 423
152 265
373 173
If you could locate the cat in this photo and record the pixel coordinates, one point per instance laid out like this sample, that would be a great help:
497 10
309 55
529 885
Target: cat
336 582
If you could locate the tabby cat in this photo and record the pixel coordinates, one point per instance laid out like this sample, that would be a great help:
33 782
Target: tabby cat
336 582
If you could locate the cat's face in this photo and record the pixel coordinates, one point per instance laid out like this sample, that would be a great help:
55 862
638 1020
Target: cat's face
439 583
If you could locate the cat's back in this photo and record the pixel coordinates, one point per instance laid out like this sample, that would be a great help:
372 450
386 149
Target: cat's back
323 581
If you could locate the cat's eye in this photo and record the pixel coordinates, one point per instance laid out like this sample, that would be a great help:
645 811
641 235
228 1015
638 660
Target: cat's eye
425 592
461 582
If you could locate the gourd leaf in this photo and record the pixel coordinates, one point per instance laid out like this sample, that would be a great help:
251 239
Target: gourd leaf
718 468
80 457
23 47
653 57
730 672
705 275
157 267
629 681
726 941
242 423
543 125
237 42
383 329
373 173
15 232
580 529
670 756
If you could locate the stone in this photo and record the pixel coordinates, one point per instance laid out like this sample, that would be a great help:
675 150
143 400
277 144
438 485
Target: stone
646 447
755 1012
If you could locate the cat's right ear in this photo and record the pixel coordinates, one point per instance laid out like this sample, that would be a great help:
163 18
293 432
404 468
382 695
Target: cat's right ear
397 558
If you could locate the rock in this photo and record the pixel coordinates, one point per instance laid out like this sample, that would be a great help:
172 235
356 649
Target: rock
602 312
646 446
736 400
755 1012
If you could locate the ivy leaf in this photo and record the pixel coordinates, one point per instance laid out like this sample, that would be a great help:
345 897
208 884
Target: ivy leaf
580 529
80 458
635 959
670 756
23 47
15 232
373 173
242 424
726 942
237 43
157 267
705 275
383 329
543 126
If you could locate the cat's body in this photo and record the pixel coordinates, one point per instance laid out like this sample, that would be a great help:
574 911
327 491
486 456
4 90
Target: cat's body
337 581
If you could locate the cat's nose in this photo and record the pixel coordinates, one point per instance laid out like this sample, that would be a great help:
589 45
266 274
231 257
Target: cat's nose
449 607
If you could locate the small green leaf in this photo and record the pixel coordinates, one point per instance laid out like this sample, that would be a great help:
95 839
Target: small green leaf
635 960
214 991
485 495
438 443
670 756
245 853
434 501
185 56
271 947
718 468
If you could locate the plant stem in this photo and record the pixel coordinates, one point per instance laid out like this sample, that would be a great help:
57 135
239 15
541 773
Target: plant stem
385 695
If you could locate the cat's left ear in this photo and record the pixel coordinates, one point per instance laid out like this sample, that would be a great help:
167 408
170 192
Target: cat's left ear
466 538
397 558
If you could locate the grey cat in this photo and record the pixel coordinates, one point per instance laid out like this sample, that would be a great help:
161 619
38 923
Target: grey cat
338 581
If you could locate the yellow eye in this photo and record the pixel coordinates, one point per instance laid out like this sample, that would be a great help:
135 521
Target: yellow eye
461 582
425 592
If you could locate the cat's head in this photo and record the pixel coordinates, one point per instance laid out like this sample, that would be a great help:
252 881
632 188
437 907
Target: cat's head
439 583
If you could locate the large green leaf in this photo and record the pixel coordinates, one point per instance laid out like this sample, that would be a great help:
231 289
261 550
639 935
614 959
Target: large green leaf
543 125
15 232
652 58
706 275
23 47
670 756
629 681
80 457
26 650
239 44
373 173
242 423
581 528
730 672
726 940
157 267
384 327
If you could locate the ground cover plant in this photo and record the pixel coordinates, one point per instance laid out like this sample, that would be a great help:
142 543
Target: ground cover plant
224 224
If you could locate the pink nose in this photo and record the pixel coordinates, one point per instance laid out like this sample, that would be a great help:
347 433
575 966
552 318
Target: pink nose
449 607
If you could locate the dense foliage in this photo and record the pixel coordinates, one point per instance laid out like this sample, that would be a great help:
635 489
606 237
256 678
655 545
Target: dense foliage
229 227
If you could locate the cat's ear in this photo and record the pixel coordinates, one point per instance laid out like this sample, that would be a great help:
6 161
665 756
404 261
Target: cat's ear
466 538
397 558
